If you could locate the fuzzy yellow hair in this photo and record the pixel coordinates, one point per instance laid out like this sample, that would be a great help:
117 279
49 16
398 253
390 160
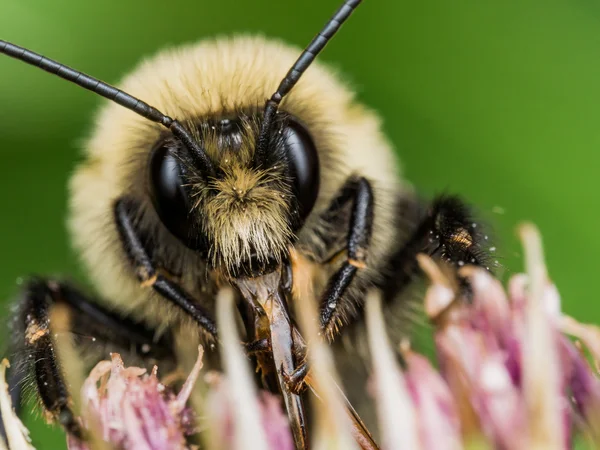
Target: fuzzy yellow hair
207 79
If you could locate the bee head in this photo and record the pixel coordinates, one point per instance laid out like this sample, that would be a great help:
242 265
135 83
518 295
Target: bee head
236 190
244 214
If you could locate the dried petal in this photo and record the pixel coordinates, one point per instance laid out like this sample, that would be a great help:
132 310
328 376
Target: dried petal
16 433
505 361
336 429
492 316
509 378
250 423
130 410
588 334
541 371
396 413
434 405
585 387
583 382
222 405
476 373
440 294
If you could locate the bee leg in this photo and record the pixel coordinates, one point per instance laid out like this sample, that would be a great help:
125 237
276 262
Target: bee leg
357 243
357 190
258 346
34 345
448 232
295 381
149 275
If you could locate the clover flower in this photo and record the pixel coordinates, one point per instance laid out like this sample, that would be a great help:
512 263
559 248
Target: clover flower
509 377
512 372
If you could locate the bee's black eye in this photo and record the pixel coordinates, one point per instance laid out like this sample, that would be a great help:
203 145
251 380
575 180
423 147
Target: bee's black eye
304 165
169 196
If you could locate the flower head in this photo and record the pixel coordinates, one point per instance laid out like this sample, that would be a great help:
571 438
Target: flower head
133 410
509 376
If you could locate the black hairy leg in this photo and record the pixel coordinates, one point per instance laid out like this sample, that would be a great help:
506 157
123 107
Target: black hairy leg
359 192
446 231
33 343
126 209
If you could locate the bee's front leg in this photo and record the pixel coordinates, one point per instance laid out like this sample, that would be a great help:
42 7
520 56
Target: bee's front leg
357 245
149 275
359 192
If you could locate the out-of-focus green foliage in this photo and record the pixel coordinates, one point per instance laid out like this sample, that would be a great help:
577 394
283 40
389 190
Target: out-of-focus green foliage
495 100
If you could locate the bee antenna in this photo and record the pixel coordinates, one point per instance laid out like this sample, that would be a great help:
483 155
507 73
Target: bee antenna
302 63
116 95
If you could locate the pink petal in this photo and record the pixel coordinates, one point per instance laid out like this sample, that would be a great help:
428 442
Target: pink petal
436 412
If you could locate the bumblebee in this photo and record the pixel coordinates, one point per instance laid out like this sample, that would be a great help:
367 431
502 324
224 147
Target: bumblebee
209 165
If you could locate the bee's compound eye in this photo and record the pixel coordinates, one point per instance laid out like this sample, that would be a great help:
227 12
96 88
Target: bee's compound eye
304 165
169 196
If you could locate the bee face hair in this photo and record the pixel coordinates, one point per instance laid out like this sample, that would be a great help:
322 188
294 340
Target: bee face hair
244 217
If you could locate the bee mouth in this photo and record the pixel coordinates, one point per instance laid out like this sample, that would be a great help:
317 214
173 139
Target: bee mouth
267 318
254 267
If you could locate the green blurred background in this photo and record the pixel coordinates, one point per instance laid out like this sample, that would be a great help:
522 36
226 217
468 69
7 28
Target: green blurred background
495 100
